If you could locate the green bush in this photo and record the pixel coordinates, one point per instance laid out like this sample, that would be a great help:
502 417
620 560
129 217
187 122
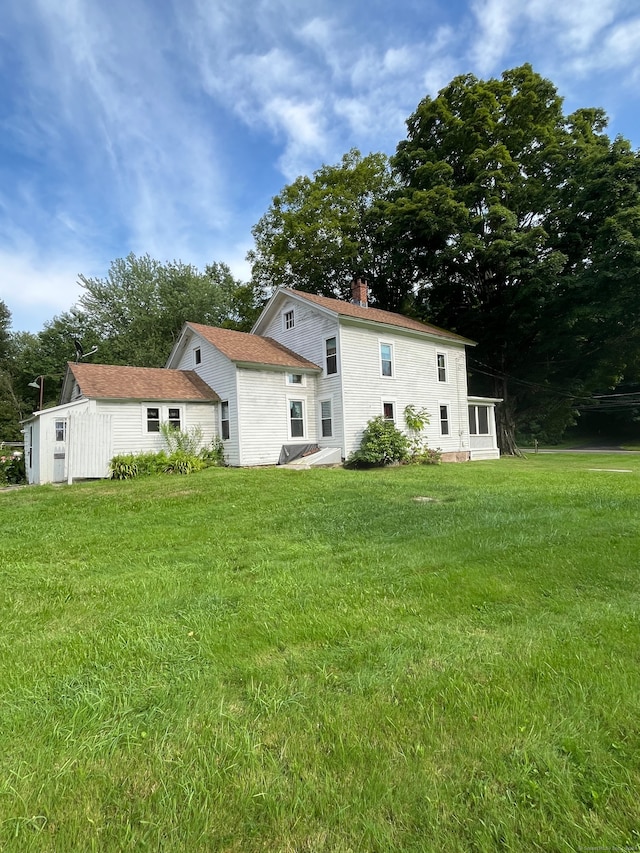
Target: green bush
12 469
123 467
181 441
382 443
182 463
213 456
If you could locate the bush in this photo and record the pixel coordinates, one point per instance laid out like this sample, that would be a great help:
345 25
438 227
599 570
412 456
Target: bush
123 467
182 463
181 441
382 443
213 456
12 470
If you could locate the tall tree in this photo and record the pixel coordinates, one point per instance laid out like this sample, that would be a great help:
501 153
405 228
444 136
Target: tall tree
522 227
137 311
318 233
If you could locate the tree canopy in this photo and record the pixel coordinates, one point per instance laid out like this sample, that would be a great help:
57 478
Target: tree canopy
317 233
523 227
137 311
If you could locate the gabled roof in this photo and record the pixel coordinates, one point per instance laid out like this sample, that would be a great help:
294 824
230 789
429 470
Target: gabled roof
376 315
251 349
109 381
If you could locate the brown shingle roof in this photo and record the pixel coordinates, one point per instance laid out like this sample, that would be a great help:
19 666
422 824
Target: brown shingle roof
253 349
108 381
376 315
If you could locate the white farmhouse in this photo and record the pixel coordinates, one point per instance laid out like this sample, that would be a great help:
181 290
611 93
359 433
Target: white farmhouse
306 380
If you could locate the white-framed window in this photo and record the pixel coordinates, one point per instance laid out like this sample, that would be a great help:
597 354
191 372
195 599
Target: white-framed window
296 418
153 419
61 430
441 362
326 419
224 420
289 319
153 416
479 420
389 410
386 359
445 427
197 355
331 355
295 379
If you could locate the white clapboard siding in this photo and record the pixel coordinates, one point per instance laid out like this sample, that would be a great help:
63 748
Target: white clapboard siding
264 414
414 382
89 447
220 374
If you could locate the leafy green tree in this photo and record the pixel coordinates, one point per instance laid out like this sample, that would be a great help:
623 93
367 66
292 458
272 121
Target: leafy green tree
137 311
319 233
520 227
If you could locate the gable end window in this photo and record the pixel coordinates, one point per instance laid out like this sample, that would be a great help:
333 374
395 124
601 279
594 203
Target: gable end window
197 355
444 420
224 420
386 360
61 430
289 319
153 420
441 359
331 352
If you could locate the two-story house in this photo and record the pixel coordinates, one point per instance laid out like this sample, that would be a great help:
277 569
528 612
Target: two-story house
309 376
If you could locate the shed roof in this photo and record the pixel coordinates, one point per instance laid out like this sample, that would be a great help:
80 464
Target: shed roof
251 349
376 315
109 381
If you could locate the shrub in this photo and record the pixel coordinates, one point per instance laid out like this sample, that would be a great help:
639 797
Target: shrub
182 441
182 463
213 456
382 443
123 467
12 470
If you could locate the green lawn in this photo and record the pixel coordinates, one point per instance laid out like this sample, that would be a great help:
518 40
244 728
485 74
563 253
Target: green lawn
275 660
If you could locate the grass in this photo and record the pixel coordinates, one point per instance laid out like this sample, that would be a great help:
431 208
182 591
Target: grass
316 661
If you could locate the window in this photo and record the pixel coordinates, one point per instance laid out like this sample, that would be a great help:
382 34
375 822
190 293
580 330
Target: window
386 359
331 349
174 418
224 420
388 412
61 430
294 379
478 420
153 420
197 355
444 420
441 359
326 419
296 418
289 320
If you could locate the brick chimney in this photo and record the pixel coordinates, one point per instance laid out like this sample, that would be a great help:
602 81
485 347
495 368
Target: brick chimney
360 292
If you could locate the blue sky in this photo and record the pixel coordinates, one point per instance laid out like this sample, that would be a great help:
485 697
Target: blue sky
166 126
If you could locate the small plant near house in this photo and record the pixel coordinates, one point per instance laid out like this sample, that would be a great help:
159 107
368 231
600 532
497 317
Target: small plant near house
123 467
382 444
12 469
213 455
181 462
416 420
185 441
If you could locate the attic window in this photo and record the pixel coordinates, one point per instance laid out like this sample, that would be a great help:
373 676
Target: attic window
197 355
289 320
